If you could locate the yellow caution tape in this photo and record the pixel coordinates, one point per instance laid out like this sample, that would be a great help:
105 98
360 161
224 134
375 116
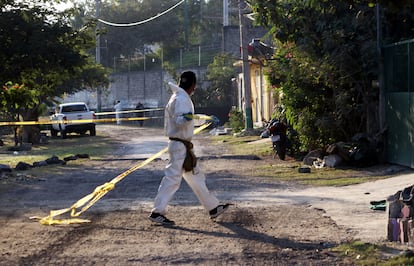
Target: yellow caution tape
101 120
68 122
80 121
89 200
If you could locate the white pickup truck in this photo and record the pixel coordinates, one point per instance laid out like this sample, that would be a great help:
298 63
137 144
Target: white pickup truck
67 119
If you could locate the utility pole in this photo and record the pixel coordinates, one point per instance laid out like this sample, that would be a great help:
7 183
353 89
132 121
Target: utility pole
98 55
245 70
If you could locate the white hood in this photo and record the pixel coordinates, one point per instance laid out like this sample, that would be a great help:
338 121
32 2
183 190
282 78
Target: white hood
174 87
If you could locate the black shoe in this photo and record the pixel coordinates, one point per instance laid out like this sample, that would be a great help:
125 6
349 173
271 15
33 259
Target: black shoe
218 210
160 219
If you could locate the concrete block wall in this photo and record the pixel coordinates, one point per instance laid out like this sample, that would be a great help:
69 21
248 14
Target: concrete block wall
149 87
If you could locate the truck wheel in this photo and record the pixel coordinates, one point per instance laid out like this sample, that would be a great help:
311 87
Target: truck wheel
92 131
53 132
63 134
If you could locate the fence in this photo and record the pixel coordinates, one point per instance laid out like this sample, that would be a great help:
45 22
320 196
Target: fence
195 56
399 97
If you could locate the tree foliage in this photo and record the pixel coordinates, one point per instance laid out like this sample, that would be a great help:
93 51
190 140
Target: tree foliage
220 91
15 99
196 23
45 55
124 42
41 50
325 64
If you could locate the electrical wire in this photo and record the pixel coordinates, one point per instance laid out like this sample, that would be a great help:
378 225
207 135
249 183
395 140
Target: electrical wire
140 22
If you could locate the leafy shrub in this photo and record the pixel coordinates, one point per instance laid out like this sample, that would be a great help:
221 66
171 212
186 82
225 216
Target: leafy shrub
236 120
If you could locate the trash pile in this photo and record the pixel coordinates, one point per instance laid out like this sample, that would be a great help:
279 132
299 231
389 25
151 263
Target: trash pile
22 166
400 216
361 151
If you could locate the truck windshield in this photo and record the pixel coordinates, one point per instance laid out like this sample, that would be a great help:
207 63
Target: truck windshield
74 108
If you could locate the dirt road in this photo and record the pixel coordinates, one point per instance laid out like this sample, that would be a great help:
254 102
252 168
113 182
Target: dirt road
271 223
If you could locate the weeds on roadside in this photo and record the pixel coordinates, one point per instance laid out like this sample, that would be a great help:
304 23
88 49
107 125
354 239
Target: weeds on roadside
288 170
96 147
360 253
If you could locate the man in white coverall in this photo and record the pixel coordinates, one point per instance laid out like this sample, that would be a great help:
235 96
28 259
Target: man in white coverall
118 109
179 127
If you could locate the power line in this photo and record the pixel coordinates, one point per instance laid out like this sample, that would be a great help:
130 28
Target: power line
143 21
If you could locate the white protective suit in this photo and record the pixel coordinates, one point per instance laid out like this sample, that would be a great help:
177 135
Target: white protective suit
118 109
177 126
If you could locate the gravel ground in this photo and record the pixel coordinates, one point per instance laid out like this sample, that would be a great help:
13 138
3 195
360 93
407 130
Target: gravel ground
270 223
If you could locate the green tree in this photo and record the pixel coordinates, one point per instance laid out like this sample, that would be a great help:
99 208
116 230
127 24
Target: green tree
42 51
15 99
220 72
198 23
325 64
130 42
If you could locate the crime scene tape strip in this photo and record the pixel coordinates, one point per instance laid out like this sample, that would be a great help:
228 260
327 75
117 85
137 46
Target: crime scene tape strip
68 122
102 120
87 201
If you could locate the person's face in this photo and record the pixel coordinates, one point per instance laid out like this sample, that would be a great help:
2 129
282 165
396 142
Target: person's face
191 90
